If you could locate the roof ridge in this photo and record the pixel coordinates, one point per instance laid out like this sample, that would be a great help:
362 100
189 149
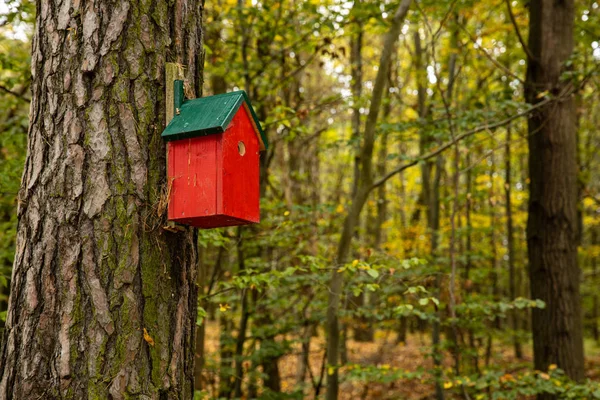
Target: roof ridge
207 116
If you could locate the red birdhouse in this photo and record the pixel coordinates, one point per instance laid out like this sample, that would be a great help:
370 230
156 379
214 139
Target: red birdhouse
213 160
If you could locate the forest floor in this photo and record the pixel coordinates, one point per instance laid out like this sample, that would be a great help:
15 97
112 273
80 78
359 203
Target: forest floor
384 352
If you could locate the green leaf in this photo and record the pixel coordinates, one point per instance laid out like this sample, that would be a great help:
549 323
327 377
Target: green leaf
373 273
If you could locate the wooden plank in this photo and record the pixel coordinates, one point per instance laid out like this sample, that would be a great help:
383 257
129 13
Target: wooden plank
192 166
173 72
240 186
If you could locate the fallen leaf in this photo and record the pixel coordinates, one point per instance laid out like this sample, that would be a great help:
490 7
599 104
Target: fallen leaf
148 338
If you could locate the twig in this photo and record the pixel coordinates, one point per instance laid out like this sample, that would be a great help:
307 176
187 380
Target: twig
514 22
488 56
458 138
217 293
16 94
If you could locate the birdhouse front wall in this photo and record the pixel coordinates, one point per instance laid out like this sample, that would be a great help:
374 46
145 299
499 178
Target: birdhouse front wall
214 179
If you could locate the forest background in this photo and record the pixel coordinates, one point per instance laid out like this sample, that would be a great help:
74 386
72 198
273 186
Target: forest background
436 298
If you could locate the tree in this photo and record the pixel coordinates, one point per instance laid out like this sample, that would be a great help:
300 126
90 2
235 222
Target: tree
103 299
365 186
552 228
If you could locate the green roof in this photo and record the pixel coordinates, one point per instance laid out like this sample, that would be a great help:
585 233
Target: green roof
209 115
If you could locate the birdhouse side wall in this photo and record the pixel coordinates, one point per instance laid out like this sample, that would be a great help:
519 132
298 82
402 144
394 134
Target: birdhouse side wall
241 191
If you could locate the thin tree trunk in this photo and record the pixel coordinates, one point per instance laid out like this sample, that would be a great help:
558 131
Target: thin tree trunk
358 201
468 223
431 195
595 300
468 256
200 330
493 275
510 239
103 300
226 349
433 213
552 228
356 64
245 316
304 356
362 329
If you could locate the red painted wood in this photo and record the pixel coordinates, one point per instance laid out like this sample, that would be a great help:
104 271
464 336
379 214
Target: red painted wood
193 175
241 173
212 184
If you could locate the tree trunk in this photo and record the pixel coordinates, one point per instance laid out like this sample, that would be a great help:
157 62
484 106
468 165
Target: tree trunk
199 352
552 230
363 331
510 244
103 300
358 201
469 225
431 200
356 63
595 299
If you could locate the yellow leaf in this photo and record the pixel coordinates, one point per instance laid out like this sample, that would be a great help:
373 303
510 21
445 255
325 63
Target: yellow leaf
285 214
354 263
545 376
552 367
410 114
223 307
148 338
339 209
278 38
448 385
330 371
542 94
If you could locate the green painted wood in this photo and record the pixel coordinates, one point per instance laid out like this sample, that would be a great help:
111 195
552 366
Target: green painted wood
173 72
178 96
210 115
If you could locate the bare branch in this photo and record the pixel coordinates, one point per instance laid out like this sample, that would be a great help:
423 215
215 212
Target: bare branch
488 55
514 22
457 139
18 95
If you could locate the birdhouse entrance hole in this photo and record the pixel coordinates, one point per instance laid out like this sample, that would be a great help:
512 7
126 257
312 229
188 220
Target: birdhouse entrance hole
241 148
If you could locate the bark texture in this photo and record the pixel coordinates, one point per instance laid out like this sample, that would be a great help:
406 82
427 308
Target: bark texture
552 230
103 300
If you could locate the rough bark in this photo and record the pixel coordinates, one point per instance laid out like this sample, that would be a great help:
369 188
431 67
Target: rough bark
103 300
552 230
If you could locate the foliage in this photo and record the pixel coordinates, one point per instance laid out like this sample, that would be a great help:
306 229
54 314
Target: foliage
295 59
